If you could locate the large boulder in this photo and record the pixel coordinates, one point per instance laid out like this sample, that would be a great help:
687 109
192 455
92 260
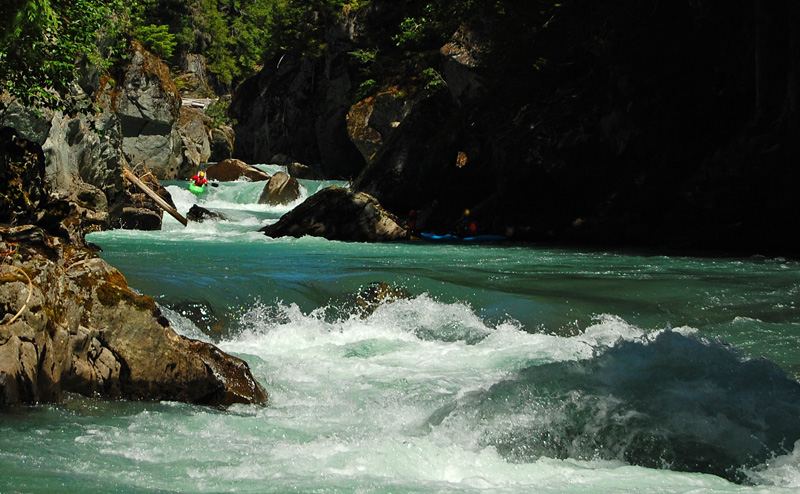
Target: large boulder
233 169
305 172
71 324
196 144
337 213
280 190
65 177
148 104
222 140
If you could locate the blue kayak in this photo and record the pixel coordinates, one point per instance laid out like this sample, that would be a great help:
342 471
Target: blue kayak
453 238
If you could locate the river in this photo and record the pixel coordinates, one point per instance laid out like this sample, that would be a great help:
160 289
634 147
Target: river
504 369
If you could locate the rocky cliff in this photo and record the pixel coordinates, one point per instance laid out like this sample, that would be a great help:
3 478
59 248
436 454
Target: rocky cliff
68 321
659 124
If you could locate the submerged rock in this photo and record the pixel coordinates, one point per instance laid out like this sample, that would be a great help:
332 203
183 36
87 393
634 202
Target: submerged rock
199 214
377 293
71 324
337 213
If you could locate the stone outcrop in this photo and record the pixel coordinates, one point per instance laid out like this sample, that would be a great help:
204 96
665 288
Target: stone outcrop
596 125
280 190
140 212
221 141
66 177
233 169
370 122
337 213
148 105
68 321
297 106
193 79
192 127
71 324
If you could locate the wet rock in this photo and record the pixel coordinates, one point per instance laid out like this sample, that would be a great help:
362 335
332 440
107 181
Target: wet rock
71 324
299 170
377 293
233 169
200 214
280 190
337 213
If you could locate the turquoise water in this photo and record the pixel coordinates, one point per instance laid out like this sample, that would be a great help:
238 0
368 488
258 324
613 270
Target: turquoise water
508 368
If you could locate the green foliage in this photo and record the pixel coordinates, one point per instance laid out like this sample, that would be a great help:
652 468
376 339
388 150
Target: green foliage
157 39
218 113
366 88
44 40
435 79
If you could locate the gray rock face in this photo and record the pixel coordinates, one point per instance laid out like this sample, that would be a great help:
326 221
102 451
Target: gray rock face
148 106
222 141
195 139
337 213
71 324
82 170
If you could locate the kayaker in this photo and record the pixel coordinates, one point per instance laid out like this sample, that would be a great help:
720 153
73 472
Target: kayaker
200 179
466 226
411 223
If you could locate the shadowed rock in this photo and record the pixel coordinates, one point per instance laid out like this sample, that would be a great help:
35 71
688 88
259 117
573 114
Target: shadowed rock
337 213
199 214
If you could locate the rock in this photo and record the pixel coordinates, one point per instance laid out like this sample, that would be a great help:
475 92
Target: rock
200 214
71 324
139 211
280 190
233 169
35 190
419 163
288 108
193 79
148 104
463 58
222 141
377 293
372 121
337 213
196 144
305 172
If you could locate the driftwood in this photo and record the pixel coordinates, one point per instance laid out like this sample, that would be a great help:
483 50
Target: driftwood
152 195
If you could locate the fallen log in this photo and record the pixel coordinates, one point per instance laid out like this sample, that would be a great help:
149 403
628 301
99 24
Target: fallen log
152 195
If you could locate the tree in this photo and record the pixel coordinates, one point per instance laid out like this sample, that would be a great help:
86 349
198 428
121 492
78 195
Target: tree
43 40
